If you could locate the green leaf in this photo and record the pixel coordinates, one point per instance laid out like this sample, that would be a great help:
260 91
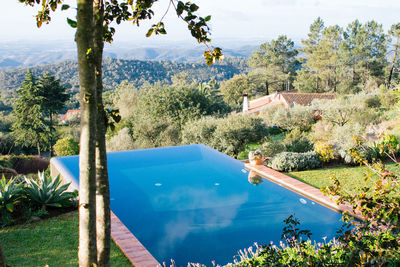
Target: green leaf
208 18
10 207
150 32
64 7
72 23
53 6
193 7
179 8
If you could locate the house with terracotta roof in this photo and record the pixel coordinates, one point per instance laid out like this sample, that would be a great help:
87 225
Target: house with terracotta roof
71 115
286 99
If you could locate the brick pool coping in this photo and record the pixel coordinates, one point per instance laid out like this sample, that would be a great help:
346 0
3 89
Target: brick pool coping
299 187
136 253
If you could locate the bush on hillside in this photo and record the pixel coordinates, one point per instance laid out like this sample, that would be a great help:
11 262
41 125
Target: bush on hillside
200 131
272 147
234 132
300 145
66 147
292 161
297 141
372 101
290 118
228 135
121 141
325 151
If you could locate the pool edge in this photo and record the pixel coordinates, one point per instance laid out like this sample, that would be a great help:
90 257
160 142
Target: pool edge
136 253
300 188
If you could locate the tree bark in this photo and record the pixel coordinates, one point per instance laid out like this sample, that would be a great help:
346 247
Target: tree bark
103 226
392 66
87 164
38 147
2 260
51 134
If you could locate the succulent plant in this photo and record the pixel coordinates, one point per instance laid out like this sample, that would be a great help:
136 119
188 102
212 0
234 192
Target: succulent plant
47 192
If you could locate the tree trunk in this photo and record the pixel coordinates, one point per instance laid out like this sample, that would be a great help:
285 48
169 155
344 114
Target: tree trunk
103 226
392 66
38 147
267 87
87 164
51 134
2 260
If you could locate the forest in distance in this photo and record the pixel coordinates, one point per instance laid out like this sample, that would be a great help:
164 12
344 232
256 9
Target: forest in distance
117 70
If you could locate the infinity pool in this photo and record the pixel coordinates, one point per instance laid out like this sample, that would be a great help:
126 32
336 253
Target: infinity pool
195 204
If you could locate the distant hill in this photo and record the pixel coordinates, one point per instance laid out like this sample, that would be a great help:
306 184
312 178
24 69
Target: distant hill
118 70
13 55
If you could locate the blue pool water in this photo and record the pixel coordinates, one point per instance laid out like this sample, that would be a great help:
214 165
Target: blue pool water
195 204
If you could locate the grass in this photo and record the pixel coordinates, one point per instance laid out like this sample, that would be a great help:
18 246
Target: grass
253 146
245 154
350 177
53 242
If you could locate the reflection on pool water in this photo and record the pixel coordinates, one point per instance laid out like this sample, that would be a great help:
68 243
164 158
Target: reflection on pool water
195 204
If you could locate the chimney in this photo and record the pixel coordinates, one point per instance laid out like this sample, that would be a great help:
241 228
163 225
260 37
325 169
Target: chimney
245 102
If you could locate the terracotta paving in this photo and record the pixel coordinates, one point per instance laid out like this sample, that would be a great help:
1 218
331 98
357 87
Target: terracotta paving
136 253
298 187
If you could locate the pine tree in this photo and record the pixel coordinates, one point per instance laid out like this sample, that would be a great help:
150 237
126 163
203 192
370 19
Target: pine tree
30 127
53 97
278 60
308 78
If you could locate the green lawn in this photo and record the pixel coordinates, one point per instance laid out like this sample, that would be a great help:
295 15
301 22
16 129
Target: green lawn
245 154
53 242
350 177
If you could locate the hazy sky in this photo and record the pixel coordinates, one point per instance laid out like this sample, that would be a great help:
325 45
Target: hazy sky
231 19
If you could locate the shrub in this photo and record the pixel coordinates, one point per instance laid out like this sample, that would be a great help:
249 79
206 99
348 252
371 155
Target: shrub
121 141
299 145
325 151
272 147
321 131
200 131
66 147
292 161
46 192
229 135
366 117
342 136
291 118
387 146
296 141
234 132
338 111
372 101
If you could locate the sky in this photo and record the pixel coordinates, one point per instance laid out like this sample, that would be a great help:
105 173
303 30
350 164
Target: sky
233 21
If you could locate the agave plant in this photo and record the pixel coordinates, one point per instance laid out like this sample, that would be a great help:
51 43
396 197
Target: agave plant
10 193
47 192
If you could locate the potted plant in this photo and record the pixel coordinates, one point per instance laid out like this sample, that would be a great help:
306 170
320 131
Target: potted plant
254 178
255 157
